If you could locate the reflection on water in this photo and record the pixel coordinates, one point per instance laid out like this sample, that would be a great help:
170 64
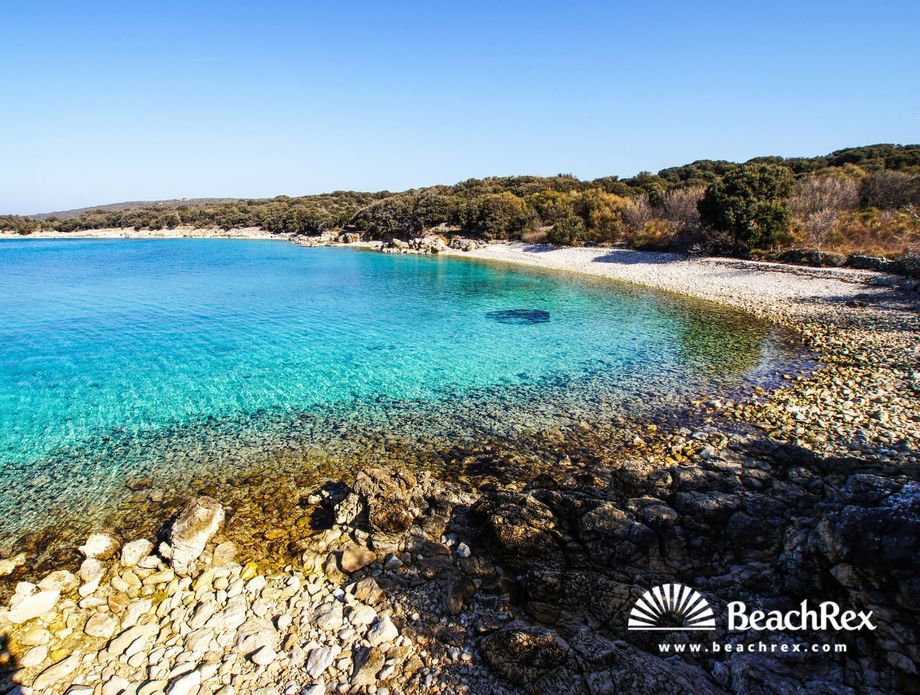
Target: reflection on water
188 363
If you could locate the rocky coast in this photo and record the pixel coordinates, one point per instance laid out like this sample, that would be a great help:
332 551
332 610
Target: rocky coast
517 572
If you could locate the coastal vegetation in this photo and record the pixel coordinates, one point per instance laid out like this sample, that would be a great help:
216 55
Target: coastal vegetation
863 200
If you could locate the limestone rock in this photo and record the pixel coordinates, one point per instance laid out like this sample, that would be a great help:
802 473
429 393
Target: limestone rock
56 673
523 654
355 558
34 657
9 565
101 625
61 580
185 684
34 606
135 551
101 546
383 631
198 521
320 659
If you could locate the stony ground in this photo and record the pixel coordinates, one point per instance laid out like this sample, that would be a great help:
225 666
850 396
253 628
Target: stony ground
521 578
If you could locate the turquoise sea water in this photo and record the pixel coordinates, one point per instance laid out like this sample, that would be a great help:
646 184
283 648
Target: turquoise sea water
121 357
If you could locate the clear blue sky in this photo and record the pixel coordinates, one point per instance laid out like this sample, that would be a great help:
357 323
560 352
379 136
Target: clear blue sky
113 101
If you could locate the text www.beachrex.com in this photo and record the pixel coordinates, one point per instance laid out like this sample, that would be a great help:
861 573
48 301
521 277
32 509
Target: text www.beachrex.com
750 647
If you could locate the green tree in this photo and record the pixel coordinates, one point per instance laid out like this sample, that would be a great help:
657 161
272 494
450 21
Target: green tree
751 204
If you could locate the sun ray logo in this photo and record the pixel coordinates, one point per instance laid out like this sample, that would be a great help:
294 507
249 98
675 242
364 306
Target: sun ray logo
671 607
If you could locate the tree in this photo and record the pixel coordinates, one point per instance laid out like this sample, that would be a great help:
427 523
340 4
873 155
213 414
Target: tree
498 215
750 204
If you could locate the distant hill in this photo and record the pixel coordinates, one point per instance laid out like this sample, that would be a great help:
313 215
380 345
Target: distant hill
132 204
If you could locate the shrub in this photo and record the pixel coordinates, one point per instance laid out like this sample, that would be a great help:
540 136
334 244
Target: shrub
568 232
890 190
750 204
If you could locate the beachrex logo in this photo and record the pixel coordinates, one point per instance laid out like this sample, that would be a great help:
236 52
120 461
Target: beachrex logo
671 607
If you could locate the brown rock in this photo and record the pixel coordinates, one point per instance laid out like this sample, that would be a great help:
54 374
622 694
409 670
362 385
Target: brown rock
355 558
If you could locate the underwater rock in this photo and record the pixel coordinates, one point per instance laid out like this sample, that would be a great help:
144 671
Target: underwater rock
519 317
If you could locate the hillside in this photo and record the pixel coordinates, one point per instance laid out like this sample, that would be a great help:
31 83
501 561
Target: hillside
860 199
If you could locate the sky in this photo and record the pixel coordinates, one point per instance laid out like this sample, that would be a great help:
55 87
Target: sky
104 102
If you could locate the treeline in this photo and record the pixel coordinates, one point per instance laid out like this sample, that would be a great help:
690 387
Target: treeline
864 199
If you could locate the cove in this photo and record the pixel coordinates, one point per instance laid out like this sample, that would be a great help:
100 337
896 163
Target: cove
171 358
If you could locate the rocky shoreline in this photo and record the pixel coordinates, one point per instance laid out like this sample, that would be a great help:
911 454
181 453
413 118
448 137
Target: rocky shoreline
519 575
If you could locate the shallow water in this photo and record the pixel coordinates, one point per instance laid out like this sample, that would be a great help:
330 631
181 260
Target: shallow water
175 358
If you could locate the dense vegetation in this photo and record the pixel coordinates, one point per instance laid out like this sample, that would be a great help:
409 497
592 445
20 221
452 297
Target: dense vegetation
864 199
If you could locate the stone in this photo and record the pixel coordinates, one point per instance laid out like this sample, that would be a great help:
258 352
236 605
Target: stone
196 524
126 638
54 674
61 580
255 634
83 690
367 667
101 625
135 551
463 550
320 659
264 656
34 657
34 637
362 615
115 686
91 573
388 495
383 631
355 558
185 684
9 565
523 654
99 546
224 554
33 606
329 619
368 591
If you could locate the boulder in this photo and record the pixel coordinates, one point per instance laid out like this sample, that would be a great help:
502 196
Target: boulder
388 498
523 654
517 527
196 524
100 546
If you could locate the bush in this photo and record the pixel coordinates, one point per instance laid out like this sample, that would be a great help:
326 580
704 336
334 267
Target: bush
568 232
750 204
890 190
498 216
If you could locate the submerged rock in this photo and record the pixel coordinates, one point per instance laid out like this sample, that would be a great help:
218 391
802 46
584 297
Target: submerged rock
519 317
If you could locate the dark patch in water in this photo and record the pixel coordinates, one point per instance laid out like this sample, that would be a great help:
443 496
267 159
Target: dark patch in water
519 317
